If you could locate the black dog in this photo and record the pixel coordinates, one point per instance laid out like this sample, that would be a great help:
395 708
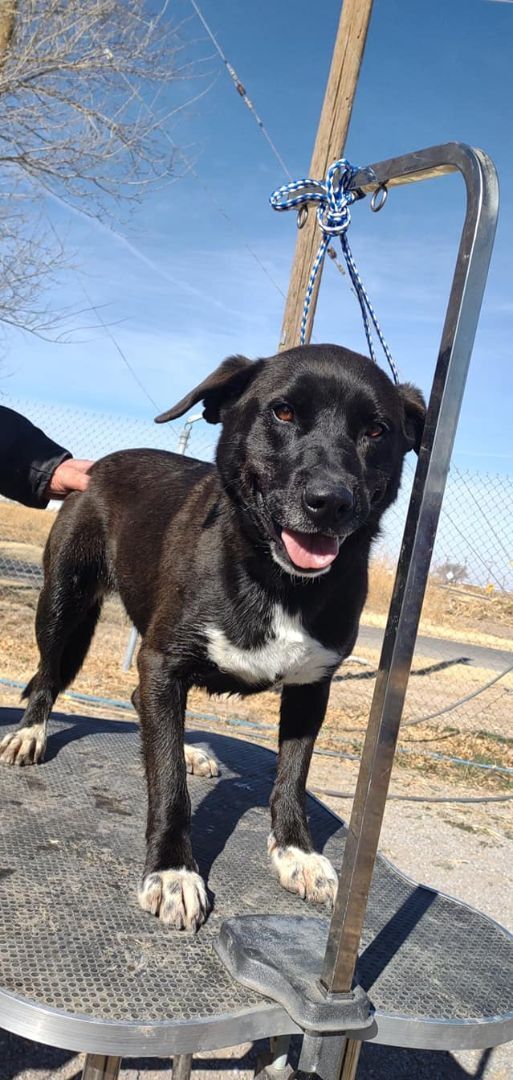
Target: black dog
238 576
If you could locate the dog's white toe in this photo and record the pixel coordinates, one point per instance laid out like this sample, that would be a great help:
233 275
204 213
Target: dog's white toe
178 897
26 746
199 763
308 874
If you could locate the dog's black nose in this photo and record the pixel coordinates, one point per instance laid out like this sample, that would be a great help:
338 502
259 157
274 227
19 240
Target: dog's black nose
327 503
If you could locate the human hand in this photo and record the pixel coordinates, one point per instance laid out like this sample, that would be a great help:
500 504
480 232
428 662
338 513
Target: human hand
70 475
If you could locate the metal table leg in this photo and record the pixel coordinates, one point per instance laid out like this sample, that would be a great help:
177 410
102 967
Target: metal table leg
351 1059
322 1056
98 1067
330 1057
182 1066
280 1052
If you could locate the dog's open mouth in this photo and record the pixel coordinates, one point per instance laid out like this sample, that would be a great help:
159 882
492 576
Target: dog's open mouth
309 551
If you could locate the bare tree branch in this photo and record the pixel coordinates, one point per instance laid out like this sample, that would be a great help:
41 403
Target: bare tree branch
80 85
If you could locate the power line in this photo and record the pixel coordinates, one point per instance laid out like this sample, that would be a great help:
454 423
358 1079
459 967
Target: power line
190 167
108 330
241 89
110 334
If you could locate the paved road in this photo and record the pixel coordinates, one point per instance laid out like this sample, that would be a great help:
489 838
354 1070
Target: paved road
443 649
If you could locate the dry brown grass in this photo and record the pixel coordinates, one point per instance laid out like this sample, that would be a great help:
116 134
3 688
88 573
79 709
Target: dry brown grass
23 525
468 612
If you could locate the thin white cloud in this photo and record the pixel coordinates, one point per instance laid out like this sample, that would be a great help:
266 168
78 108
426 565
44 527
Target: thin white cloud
135 251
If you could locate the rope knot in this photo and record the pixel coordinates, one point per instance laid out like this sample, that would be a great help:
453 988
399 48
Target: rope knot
333 198
333 213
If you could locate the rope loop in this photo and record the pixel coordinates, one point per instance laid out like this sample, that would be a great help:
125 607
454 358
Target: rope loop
333 198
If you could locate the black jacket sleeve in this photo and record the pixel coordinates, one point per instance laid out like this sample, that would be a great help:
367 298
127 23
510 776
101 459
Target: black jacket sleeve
27 459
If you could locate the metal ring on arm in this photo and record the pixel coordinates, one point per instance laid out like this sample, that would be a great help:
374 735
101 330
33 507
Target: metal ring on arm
379 198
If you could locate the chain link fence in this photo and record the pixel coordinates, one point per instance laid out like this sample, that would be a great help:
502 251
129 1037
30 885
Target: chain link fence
461 684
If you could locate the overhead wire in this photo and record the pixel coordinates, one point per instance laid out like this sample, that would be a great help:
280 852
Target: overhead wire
241 90
108 330
213 198
204 444
200 446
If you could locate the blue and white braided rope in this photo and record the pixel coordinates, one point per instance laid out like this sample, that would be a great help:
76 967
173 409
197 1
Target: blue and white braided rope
333 199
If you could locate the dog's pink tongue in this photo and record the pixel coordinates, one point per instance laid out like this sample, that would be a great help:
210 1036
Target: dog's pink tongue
309 551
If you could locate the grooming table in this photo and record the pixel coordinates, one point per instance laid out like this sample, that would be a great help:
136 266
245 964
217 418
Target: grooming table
84 969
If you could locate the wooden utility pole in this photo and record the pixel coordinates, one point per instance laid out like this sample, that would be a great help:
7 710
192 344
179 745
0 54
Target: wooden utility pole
329 145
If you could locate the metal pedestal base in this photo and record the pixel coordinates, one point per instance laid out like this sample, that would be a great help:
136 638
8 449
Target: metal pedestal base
281 958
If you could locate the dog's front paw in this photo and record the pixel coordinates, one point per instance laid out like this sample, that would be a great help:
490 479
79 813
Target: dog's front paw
26 746
198 762
178 897
308 874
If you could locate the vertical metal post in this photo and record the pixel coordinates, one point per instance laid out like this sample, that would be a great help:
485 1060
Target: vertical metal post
420 530
98 1067
131 646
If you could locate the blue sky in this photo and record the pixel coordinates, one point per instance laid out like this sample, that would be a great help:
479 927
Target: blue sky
179 287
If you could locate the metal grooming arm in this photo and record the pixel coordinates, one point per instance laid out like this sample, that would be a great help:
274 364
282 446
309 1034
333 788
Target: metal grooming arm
447 391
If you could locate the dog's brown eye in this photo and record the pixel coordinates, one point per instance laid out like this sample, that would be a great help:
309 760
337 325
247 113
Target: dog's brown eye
375 431
284 412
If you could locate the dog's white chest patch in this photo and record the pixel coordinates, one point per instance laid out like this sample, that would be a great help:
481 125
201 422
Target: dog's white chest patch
289 655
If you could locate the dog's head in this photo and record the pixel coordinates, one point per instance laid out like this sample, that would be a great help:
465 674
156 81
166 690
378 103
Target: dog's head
312 446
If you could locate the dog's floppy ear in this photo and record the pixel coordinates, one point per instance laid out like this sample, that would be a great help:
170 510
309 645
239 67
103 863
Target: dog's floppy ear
225 384
414 414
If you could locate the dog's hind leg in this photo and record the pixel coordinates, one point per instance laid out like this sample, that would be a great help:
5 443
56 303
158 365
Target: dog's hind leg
171 886
67 613
300 869
197 761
